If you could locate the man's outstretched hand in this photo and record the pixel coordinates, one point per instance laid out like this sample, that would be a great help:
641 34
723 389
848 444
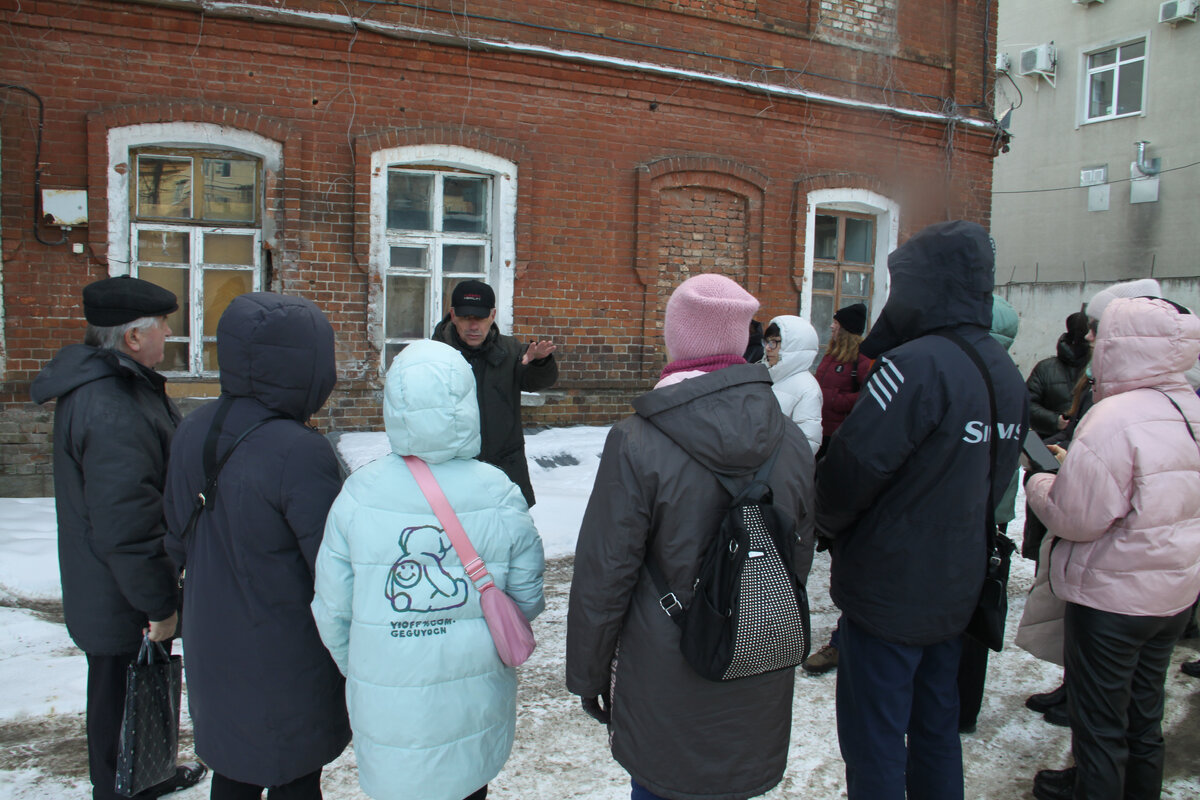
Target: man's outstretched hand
538 350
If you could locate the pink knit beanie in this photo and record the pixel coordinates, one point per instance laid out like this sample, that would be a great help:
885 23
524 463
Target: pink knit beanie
708 315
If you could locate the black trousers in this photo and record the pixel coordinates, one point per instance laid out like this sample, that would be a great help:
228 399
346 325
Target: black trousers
1116 667
972 673
306 787
105 708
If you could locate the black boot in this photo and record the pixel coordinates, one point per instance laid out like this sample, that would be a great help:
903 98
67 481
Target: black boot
1054 784
1190 668
1041 702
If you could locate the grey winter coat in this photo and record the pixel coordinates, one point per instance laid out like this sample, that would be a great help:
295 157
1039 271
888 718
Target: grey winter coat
266 699
112 431
500 377
677 734
1051 386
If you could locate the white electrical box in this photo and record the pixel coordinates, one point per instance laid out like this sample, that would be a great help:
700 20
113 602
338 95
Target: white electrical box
1003 62
1038 60
1174 11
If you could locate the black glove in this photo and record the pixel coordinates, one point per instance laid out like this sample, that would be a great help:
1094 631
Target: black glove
598 708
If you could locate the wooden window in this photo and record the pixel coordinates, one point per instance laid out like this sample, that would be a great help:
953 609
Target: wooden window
843 265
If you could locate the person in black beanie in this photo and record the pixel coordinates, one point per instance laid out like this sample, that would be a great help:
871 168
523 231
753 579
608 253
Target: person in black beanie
1053 379
112 427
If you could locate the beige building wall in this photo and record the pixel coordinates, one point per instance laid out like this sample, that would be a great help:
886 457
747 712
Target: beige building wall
1070 239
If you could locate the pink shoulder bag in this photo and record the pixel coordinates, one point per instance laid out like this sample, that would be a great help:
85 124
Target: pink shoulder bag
510 630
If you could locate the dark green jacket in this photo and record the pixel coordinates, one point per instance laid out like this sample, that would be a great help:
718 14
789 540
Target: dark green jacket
1052 384
500 377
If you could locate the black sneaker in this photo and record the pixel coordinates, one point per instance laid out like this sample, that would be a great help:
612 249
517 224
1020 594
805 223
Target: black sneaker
1190 668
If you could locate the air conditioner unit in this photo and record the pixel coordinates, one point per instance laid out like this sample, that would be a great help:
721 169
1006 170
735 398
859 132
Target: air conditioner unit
1038 60
1003 62
1174 11
1086 2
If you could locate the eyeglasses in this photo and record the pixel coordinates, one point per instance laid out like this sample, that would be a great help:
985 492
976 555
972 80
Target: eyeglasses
771 344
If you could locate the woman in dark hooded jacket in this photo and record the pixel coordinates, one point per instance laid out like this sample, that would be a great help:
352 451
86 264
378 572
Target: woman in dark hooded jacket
266 699
1053 379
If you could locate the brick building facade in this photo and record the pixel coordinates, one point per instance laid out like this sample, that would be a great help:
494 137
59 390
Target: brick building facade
583 156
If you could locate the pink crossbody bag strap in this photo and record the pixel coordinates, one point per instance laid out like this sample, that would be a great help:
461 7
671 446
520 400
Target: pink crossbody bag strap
509 628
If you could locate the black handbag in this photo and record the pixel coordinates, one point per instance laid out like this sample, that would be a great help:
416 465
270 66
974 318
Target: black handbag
149 740
991 610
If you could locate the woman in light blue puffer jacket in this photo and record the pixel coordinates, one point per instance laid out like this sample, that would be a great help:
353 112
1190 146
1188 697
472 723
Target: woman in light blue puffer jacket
432 707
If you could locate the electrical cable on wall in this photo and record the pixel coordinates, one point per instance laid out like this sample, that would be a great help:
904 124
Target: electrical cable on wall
1069 188
37 162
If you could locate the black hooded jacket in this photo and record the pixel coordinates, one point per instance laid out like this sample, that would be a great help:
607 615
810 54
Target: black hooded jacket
266 699
500 377
1052 382
112 431
903 489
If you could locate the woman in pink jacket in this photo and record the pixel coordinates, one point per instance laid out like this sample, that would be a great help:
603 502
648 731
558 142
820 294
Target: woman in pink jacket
1126 509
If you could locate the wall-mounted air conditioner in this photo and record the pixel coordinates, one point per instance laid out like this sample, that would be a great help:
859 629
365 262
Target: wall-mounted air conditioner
1038 61
1174 11
1003 62
1086 2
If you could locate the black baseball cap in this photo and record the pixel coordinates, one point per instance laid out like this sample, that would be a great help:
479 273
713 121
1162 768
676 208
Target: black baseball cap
473 299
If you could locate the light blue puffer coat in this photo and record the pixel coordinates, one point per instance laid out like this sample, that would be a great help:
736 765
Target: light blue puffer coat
432 707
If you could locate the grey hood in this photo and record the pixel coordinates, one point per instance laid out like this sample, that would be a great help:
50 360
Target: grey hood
277 349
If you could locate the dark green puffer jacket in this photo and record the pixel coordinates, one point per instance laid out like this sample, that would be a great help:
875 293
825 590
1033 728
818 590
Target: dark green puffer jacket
1051 384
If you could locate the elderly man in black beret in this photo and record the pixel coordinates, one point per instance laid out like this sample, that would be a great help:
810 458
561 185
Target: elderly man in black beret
112 428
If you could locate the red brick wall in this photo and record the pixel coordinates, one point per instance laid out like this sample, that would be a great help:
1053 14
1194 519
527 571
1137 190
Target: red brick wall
619 168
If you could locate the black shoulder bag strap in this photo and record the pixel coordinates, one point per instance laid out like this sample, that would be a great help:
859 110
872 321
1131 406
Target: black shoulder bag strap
971 352
1187 423
212 467
667 599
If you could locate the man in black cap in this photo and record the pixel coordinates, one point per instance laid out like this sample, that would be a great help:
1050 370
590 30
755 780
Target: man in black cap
112 427
504 367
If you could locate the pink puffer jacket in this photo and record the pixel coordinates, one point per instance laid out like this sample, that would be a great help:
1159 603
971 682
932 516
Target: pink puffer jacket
1127 499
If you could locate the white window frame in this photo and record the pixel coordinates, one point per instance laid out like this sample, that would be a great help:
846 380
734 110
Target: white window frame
1085 79
887 234
123 229
499 241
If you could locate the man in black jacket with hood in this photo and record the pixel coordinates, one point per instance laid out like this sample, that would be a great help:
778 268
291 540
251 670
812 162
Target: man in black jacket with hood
112 429
902 495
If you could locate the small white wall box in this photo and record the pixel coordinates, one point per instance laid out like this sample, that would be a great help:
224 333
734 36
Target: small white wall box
1174 11
66 208
1038 61
1003 62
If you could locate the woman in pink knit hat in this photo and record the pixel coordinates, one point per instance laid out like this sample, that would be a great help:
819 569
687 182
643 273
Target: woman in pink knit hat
656 497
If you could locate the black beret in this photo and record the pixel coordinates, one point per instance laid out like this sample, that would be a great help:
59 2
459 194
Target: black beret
116 301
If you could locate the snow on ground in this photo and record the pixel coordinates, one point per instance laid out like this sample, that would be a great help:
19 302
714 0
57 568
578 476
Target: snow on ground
559 752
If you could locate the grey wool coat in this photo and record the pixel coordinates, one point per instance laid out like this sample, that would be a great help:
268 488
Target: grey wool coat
677 734
266 699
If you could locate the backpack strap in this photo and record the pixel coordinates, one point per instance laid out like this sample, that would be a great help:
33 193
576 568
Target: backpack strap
667 600
476 570
993 456
212 468
1187 423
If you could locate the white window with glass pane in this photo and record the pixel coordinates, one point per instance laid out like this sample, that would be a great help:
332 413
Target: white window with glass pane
448 216
196 229
1115 81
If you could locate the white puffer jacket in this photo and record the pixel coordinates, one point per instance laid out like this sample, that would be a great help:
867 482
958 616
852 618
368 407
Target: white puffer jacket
1127 499
797 390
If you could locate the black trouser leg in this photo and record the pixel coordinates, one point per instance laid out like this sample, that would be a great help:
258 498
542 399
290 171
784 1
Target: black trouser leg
479 795
105 708
1115 671
972 672
306 787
